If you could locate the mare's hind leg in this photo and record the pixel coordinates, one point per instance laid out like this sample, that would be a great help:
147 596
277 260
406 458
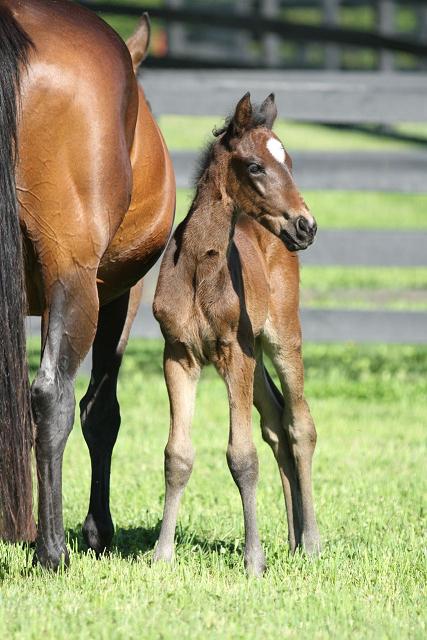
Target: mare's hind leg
100 412
269 403
68 329
283 344
181 375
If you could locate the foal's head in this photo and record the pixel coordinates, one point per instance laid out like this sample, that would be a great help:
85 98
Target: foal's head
258 174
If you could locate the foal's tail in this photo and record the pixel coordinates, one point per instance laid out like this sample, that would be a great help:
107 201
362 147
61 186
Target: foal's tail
16 521
275 391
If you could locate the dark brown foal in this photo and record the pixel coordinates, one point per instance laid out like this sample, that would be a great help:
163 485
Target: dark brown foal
228 291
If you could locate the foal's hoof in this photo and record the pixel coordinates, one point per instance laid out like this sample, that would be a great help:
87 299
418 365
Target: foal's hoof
51 558
163 553
255 563
311 545
98 537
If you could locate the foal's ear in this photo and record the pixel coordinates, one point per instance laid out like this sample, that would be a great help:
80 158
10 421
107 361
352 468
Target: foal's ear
269 110
139 41
242 114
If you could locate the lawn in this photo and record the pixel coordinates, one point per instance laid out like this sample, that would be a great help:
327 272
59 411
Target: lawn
364 287
370 492
369 474
189 132
351 209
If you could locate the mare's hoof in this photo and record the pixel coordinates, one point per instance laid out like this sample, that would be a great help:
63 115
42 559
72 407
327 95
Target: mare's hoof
50 557
163 553
98 537
255 563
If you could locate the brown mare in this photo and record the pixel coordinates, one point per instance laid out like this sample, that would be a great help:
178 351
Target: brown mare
94 200
228 292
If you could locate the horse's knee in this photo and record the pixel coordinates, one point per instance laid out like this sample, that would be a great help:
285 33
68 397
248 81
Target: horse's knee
301 429
178 464
100 417
243 465
44 394
53 406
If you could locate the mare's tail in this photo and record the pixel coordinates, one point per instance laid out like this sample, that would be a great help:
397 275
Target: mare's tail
16 521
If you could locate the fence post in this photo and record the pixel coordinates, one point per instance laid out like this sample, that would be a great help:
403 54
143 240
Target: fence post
386 23
243 38
330 18
176 31
421 14
271 42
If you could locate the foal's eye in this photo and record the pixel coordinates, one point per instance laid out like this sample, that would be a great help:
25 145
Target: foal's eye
255 168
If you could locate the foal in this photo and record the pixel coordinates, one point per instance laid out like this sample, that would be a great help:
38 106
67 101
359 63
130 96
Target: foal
228 291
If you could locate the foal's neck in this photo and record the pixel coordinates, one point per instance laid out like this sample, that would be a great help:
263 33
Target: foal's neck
210 223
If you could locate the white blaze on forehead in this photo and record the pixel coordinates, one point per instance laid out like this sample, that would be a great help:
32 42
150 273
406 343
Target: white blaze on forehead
276 149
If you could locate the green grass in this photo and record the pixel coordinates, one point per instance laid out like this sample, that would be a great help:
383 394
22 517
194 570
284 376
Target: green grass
190 132
352 209
364 287
370 490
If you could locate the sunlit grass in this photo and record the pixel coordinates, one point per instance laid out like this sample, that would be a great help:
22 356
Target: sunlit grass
370 488
192 132
352 209
364 287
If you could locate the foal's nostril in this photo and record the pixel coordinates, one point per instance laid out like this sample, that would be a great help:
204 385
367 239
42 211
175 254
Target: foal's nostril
302 225
305 228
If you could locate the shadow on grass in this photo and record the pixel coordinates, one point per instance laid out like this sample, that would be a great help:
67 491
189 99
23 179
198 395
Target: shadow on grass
127 543
130 543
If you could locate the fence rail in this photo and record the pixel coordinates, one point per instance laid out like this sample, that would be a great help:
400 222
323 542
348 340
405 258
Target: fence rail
314 96
291 31
356 170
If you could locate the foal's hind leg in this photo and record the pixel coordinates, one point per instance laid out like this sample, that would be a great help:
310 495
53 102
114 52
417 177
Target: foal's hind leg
100 413
283 343
68 329
181 375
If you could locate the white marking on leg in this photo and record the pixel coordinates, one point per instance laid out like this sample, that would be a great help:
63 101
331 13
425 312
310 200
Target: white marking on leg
276 149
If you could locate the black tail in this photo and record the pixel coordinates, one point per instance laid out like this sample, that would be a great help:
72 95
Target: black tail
16 521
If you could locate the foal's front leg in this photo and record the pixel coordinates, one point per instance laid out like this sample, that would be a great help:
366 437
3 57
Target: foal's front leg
181 375
238 372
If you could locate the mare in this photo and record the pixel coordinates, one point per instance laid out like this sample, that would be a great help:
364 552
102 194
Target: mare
227 293
87 199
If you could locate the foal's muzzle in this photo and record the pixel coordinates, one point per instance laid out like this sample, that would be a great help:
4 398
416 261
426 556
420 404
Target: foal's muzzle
299 233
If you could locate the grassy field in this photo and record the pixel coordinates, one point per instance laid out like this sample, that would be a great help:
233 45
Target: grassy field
351 209
370 492
369 475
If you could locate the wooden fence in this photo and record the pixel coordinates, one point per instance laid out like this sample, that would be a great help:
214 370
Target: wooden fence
199 33
321 97
307 96
340 97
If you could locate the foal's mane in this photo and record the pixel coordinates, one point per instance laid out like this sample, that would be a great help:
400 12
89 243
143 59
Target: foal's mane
258 119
